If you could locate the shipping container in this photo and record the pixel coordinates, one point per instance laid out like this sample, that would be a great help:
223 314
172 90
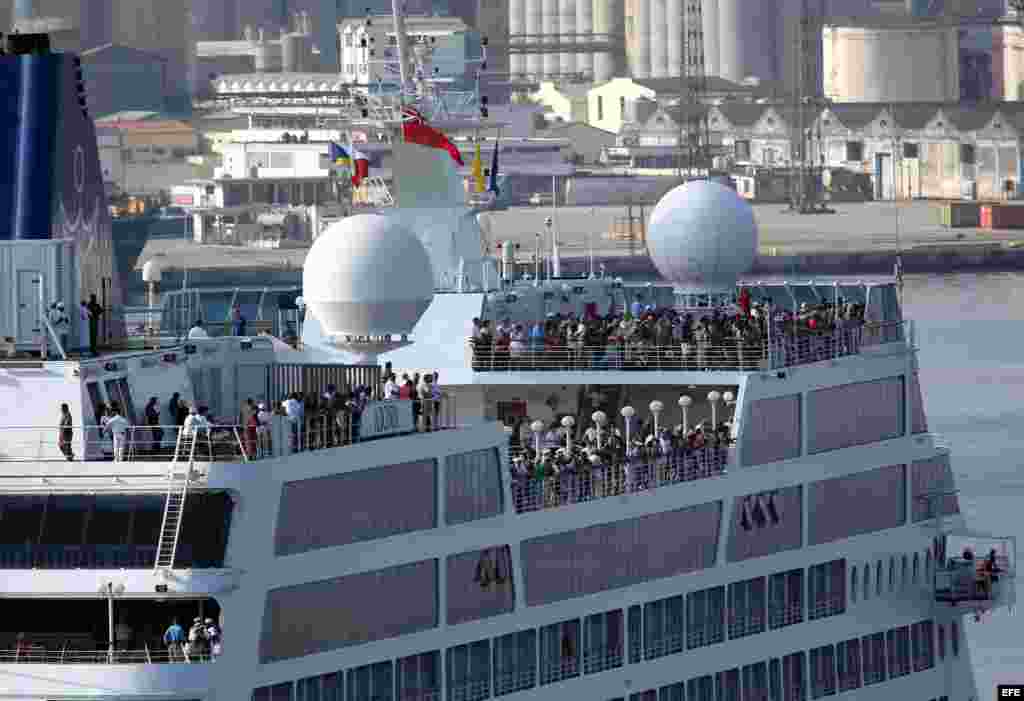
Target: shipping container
960 214
1002 216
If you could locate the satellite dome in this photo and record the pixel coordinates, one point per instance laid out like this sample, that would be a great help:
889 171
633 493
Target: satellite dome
367 275
702 235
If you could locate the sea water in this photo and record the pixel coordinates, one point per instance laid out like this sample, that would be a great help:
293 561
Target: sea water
972 376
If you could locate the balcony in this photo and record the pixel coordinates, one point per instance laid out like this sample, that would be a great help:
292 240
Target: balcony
785 349
554 484
33 654
977 583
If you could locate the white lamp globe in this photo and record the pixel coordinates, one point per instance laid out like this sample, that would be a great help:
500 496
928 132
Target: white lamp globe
656 407
599 418
300 302
714 395
152 271
702 236
627 412
685 401
367 275
568 422
594 458
728 397
537 426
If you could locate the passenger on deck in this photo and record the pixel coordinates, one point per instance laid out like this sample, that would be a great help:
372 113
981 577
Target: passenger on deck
294 410
406 390
66 433
118 426
174 639
153 422
391 389
95 312
213 638
992 565
238 321
197 332
252 426
197 644
61 325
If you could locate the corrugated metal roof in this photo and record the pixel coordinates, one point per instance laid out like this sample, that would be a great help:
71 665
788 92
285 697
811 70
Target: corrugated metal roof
741 114
855 115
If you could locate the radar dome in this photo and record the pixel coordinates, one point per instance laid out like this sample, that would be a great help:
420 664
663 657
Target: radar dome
367 275
702 235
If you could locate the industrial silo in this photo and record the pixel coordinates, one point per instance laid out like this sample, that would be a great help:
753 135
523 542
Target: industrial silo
709 27
674 32
602 59
641 64
659 38
549 28
567 29
584 30
746 35
534 11
293 53
516 27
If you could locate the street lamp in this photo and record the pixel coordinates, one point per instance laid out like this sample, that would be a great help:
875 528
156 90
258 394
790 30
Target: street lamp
110 590
656 408
628 413
730 401
567 423
537 426
714 396
300 302
600 419
685 401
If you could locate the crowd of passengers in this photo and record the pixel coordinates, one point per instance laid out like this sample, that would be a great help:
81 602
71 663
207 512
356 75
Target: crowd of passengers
603 464
315 420
645 334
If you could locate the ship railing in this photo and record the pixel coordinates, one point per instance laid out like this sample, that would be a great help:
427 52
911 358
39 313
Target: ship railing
963 581
557 485
470 690
553 671
741 355
37 655
601 657
828 606
742 626
701 636
220 442
510 682
663 645
787 615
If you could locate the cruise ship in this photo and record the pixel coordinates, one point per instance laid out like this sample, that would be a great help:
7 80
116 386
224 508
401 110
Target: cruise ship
763 516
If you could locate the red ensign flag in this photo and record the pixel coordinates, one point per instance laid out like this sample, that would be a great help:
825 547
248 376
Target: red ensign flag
415 130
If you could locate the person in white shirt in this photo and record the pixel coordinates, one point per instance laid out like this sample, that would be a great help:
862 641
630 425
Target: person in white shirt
61 324
117 425
263 417
197 332
391 389
294 410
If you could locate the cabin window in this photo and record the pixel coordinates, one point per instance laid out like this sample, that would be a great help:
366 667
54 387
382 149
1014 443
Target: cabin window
705 617
602 641
662 627
747 607
515 662
469 671
848 665
786 598
854 151
826 589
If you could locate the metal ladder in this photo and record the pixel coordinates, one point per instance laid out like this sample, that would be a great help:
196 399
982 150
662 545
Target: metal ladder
174 509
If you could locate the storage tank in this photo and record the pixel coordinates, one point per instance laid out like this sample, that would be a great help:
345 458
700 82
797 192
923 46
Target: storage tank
674 36
659 38
709 25
746 48
549 28
908 63
567 28
293 53
516 26
641 63
584 28
263 57
534 12
602 59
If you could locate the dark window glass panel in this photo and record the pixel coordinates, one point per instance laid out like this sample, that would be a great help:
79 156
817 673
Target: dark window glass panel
727 685
602 641
923 645
374 682
419 677
826 586
897 644
672 692
785 598
663 627
705 617
480 584
775 680
332 686
701 688
873 657
515 662
848 665
794 677
747 607
473 486
635 636
559 651
755 682
469 671
823 672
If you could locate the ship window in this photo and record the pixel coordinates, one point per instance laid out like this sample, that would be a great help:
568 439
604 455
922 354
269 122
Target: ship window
309 689
372 682
892 574
705 617
672 692
66 519
823 671
663 627
602 641
794 679
649 695
942 641
480 584
559 651
954 639
473 486
879 573
635 633
515 662
855 414
923 641
277 692
927 478
419 676
864 502
915 568
727 685
785 598
701 688
747 607
873 656
848 664
755 682
96 400
854 584
826 589
897 644
775 680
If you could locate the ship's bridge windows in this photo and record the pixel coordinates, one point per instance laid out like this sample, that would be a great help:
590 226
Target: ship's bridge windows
67 531
469 671
559 651
515 662
372 682
78 630
786 598
705 620
826 589
864 502
855 414
602 641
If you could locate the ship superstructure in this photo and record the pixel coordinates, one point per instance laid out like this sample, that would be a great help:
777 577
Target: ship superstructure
501 534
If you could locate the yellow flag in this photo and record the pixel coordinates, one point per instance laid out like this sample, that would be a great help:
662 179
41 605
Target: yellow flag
478 171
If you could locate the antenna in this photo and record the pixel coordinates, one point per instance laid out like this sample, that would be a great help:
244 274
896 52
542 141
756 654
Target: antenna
694 138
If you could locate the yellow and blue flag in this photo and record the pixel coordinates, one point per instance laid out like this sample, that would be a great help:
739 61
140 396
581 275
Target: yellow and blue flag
338 155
